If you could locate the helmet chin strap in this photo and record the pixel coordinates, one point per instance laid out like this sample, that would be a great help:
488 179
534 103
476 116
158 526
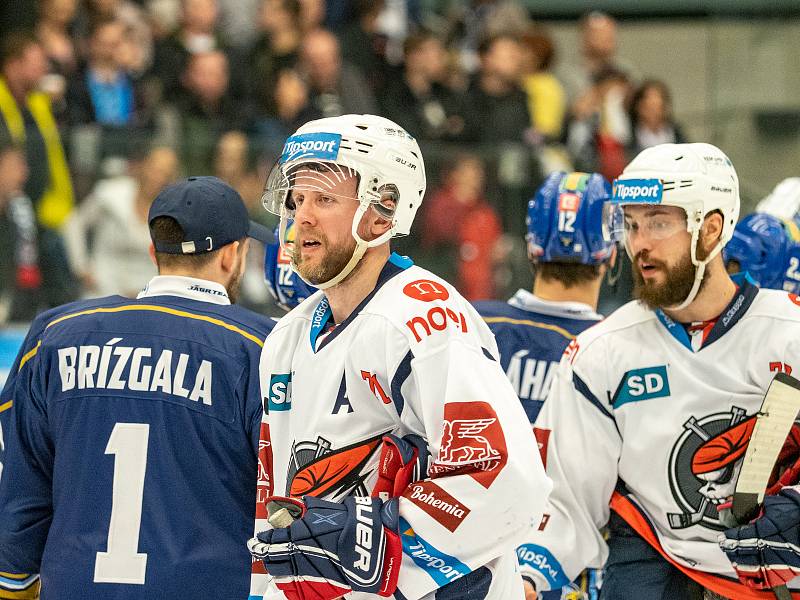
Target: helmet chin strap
699 272
358 252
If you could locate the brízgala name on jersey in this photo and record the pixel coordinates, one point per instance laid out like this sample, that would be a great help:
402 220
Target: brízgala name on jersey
124 367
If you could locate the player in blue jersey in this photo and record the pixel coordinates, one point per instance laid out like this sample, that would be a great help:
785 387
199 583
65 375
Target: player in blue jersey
132 448
570 257
283 283
768 248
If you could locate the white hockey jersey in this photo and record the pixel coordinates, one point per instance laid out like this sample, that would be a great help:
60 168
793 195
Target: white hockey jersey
414 357
654 421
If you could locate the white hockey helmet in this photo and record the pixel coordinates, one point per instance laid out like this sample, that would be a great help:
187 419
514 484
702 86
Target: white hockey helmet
385 158
784 201
699 178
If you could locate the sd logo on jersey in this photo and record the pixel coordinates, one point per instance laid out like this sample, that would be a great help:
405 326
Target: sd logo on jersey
642 384
280 392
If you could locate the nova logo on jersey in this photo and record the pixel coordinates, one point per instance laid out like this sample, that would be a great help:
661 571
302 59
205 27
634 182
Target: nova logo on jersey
426 290
437 319
642 384
280 392
472 443
439 504
704 466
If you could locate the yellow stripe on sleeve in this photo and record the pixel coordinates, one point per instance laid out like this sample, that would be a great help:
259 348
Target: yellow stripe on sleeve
555 328
19 586
161 309
29 355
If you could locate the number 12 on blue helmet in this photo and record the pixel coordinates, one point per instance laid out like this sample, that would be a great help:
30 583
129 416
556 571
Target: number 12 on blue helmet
567 220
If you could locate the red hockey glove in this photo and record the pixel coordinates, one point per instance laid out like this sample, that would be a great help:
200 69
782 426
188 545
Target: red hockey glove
402 461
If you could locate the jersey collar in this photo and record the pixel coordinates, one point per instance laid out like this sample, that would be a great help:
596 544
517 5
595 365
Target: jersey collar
186 287
525 300
322 319
731 315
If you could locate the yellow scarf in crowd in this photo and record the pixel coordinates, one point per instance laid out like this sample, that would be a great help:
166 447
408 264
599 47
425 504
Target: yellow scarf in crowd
56 203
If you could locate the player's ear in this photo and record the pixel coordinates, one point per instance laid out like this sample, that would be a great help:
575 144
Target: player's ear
711 230
228 256
152 252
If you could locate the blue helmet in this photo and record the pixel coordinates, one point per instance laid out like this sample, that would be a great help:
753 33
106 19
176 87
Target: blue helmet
282 282
763 246
565 219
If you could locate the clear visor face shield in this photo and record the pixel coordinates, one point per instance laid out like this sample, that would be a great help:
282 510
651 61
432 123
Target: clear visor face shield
322 184
622 229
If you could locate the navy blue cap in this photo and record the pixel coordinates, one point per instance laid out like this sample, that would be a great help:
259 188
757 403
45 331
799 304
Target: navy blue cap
211 213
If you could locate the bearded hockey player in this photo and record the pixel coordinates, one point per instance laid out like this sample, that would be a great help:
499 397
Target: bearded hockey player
768 248
650 412
390 433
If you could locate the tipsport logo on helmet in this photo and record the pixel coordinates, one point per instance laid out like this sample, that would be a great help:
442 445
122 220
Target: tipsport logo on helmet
316 146
631 191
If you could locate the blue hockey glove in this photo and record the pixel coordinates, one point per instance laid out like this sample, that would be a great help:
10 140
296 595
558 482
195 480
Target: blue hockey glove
402 461
333 549
766 552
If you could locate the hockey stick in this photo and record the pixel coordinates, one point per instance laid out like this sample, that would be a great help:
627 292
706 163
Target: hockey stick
775 419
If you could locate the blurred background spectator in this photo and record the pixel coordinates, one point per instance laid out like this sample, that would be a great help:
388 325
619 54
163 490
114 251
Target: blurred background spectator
364 45
108 235
524 87
462 230
417 99
54 32
336 87
27 119
547 101
276 49
20 275
103 91
599 129
207 109
496 109
136 53
651 117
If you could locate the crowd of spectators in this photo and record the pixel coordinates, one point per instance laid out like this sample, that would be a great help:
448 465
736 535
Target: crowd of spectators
105 101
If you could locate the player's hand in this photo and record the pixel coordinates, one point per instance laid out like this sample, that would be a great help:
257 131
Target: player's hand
401 462
333 549
766 552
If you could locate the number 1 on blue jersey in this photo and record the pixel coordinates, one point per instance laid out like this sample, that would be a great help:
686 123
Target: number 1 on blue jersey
121 563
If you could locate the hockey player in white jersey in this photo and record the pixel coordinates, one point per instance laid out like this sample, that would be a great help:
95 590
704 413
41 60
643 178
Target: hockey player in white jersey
390 433
651 410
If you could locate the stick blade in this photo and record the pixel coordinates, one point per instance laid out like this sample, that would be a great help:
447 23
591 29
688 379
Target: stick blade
775 419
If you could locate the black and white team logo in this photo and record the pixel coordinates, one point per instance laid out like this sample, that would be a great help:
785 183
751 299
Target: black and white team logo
704 465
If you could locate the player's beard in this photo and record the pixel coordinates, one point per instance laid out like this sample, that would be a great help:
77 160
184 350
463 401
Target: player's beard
235 284
333 262
678 282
